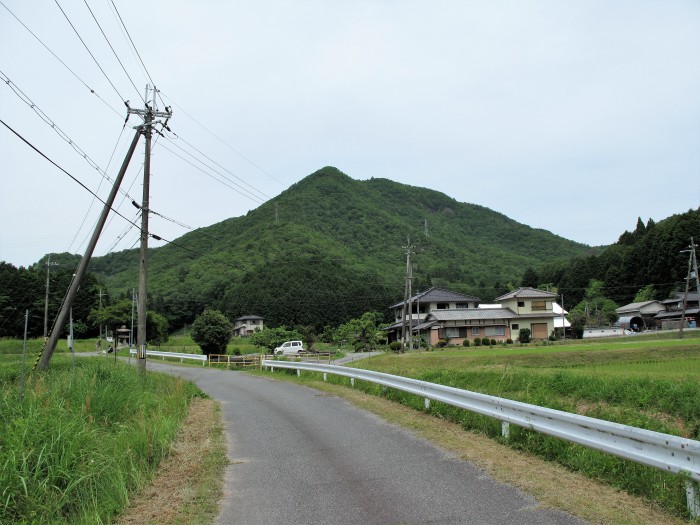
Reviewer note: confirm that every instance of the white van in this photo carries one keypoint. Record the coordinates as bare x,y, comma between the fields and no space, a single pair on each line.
290,347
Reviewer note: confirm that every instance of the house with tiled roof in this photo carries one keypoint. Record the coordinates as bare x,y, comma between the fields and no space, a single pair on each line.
670,318
455,326
455,317
432,300
534,310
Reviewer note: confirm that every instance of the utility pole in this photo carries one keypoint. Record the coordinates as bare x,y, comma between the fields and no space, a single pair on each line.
407,304
99,341
50,345
46,301
149,113
692,266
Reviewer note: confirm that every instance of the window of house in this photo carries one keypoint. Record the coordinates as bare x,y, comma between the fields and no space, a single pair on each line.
443,306
539,305
475,330
495,330
462,305
452,332
521,304
515,326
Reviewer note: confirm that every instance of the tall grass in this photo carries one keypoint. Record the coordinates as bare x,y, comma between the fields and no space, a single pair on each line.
82,440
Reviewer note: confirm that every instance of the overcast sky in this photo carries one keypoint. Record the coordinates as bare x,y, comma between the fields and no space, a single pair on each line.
572,116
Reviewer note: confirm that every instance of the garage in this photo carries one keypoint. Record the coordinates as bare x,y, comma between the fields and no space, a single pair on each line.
539,331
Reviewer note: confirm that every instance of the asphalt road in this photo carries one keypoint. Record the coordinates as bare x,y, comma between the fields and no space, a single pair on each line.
300,456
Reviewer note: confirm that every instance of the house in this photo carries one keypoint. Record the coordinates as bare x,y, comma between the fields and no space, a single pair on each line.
455,326
432,300
451,316
534,310
247,325
639,316
670,318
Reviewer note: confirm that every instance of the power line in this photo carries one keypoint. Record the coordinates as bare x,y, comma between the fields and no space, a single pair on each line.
61,61
112,48
212,160
223,141
62,134
90,52
134,47
87,213
254,198
60,168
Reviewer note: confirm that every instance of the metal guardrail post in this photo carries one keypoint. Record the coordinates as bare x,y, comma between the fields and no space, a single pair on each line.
692,496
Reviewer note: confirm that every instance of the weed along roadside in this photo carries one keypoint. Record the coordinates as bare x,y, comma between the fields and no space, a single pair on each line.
660,394
84,440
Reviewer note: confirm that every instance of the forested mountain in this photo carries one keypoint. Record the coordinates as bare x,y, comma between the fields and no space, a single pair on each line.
647,263
330,247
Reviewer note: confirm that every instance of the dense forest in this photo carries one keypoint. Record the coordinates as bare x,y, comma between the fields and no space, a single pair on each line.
330,248
650,262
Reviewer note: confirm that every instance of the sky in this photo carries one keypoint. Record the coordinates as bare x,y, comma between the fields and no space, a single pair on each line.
574,116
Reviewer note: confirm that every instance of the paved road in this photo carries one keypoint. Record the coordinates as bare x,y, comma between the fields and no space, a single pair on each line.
300,456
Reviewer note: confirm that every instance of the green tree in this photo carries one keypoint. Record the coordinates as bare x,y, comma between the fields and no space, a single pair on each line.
645,294
597,308
530,278
363,333
212,331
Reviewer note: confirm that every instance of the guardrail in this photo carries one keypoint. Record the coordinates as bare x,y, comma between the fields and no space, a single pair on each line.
662,451
157,353
306,356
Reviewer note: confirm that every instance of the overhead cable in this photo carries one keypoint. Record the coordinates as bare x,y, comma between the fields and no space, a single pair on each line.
113,51
222,141
90,53
62,62
60,168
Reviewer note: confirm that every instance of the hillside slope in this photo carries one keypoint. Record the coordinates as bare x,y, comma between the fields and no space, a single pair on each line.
331,247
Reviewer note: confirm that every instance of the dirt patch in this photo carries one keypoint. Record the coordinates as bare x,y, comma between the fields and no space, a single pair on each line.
182,478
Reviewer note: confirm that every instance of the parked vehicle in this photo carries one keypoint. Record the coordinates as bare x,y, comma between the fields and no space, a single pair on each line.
290,347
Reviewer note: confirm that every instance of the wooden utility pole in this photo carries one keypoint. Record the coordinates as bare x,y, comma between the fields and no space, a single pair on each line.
149,113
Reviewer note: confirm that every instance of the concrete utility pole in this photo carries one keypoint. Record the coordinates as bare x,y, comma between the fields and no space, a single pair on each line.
149,113
46,300
692,266
407,303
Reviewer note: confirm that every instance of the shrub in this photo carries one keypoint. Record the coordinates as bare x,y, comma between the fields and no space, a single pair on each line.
466,342
494,342
395,346
524,336
485,341
477,342
509,341
442,343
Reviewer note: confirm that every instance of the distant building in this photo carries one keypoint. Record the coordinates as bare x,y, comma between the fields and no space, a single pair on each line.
247,325
639,316
670,318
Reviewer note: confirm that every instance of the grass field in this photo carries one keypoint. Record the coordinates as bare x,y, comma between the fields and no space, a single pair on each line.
642,382
79,439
